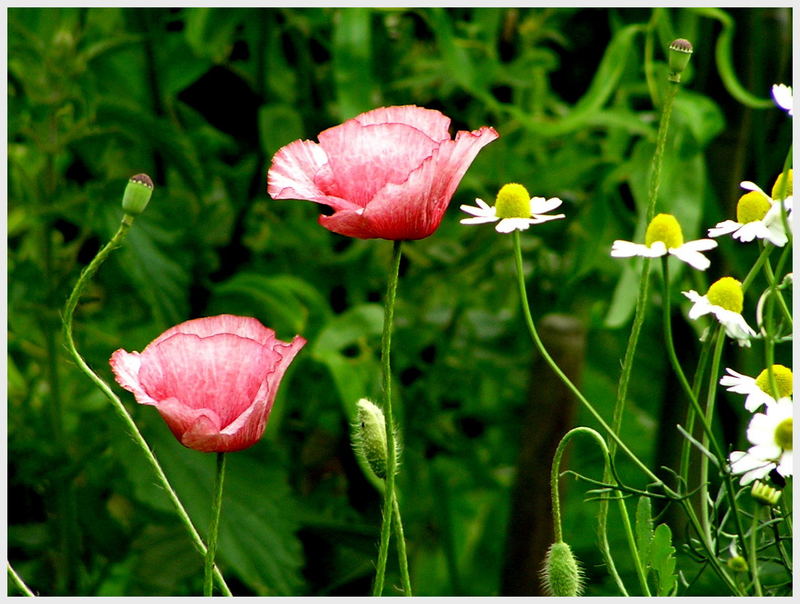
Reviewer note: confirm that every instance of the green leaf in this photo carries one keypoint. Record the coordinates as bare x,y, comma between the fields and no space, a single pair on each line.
356,90
644,530
209,31
662,559
257,532
278,124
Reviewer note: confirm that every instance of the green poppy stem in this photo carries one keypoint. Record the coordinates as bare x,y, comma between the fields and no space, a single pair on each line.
213,529
389,501
69,310
18,582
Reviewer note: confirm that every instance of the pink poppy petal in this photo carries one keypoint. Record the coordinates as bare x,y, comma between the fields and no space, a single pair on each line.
350,223
414,209
433,123
244,327
181,418
222,372
296,172
365,158
125,366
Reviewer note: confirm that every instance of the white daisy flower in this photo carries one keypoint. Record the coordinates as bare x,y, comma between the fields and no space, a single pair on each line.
782,95
758,215
514,209
664,236
758,389
770,434
725,301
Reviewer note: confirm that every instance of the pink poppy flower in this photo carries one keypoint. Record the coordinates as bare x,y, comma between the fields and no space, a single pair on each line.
387,173
213,380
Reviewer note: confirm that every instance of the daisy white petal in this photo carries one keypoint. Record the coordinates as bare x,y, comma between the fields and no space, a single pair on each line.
691,257
506,225
725,227
540,218
782,94
478,220
540,205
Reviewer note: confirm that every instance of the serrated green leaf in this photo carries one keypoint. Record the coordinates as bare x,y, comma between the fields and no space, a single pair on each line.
662,559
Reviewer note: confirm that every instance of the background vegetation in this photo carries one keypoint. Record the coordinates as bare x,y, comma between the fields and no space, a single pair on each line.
201,98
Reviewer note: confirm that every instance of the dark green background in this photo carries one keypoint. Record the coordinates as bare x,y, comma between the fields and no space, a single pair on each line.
200,99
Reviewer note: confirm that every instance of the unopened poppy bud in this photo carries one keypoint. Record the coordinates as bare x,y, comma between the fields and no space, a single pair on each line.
137,194
680,51
369,436
764,494
562,575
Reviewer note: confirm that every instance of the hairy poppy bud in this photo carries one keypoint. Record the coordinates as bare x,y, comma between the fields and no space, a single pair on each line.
137,194
562,575
369,436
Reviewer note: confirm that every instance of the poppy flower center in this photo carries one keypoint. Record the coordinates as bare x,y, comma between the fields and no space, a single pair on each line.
783,434
783,380
664,228
513,201
727,293
776,188
752,206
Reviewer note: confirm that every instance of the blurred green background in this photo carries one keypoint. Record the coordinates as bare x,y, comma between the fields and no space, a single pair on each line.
200,99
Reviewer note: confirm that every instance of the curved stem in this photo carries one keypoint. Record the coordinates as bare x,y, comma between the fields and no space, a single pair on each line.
557,370
401,547
213,529
391,462
117,405
554,494
18,582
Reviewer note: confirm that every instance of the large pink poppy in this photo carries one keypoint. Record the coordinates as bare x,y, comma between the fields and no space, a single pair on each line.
213,380
387,173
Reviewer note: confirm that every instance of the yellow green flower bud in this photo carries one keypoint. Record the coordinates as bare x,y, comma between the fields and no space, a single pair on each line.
137,194
776,188
738,564
513,201
562,575
783,380
752,206
664,228
763,493
727,293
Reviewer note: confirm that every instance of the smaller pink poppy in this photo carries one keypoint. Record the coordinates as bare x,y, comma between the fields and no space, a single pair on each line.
388,173
213,380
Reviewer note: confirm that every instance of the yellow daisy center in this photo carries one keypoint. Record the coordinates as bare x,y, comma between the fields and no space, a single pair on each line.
783,434
727,293
776,188
513,201
664,228
783,380
752,206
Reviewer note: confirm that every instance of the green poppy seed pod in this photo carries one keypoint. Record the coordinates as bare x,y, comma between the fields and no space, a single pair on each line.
369,436
137,194
680,51
562,575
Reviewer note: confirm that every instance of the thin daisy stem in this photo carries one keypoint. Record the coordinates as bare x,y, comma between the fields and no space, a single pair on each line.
787,164
69,310
213,529
557,370
762,257
774,291
391,462
705,354
754,549
18,582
